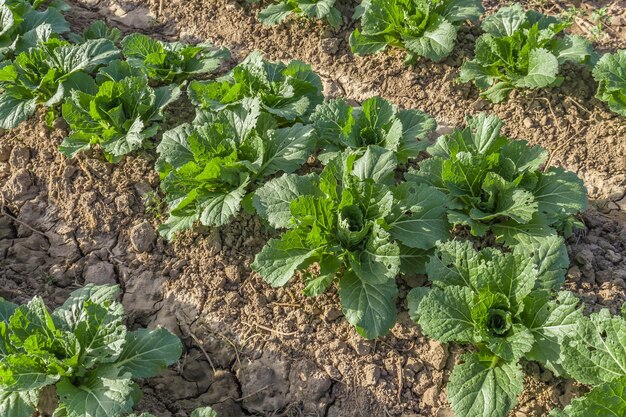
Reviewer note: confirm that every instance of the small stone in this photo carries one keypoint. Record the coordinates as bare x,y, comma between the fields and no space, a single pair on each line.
101,273
603,277
5,152
177,268
584,257
329,45
19,156
613,256
612,206
574,273
445,412
361,347
197,370
18,186
528,123
371,375
414,365
620,203
431,395
142,236
333,372
438,355
332,314
232,273
123,203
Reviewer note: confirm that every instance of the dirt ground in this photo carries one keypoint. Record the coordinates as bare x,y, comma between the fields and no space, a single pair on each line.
252,350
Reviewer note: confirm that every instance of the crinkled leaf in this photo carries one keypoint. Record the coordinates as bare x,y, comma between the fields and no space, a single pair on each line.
550,321
483,386
279,259
369,306
605,400
445,314
596,353
148,352
102,393
418,219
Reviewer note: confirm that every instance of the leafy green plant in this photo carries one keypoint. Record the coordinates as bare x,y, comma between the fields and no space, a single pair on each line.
120,117
352,228
425,28
502,304
207,170
97,30
171,62
610,73
607,399
599,17
313,9
46,74
22,26
595,354
377,122
521,49
289,92
498,186
81,354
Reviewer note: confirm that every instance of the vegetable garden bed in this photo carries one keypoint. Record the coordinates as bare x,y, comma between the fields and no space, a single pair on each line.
251,349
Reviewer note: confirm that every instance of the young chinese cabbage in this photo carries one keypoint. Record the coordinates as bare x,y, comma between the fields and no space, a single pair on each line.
504,305
289,92
499,186
425,28
377,122
120,117
97,30
521,49
610,73
313,9
82,353
207,169
23,26
46,74
171,62
358,229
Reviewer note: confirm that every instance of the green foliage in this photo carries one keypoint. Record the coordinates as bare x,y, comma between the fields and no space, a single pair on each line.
22,26
171,62
607,399
521,49
97,30
610,73
207,169
425,28
83,349
312,9
501,303
289,92
595,354
377,122
120,117
498,186
346,220
47,73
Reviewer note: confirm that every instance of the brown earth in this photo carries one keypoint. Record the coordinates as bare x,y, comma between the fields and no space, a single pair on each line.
252,349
